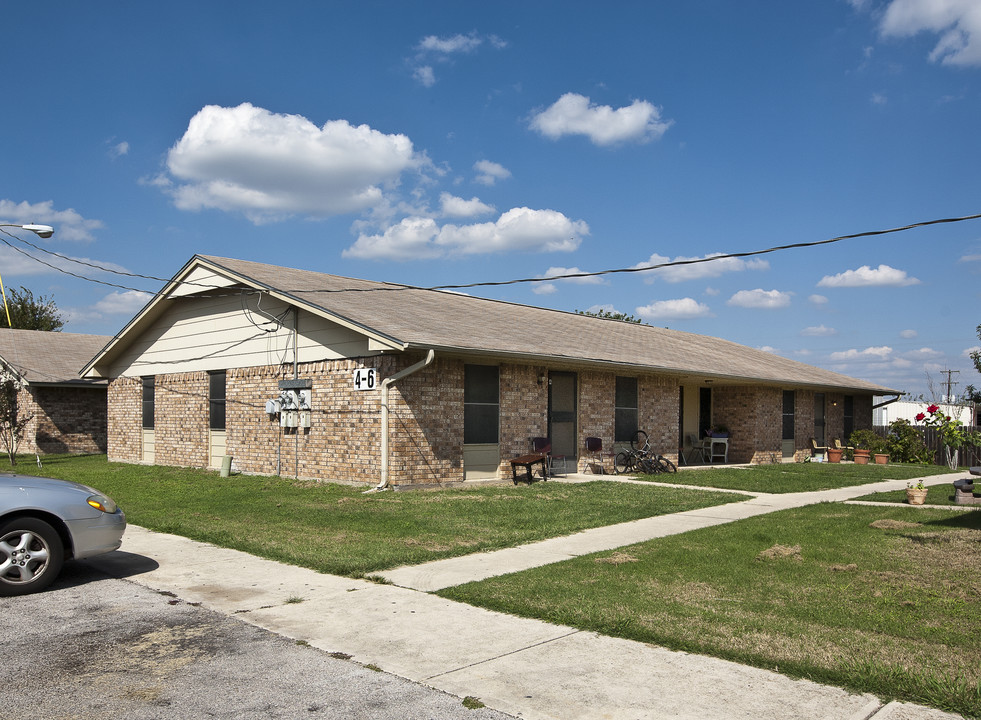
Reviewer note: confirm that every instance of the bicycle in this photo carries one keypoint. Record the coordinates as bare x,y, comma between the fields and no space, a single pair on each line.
641,458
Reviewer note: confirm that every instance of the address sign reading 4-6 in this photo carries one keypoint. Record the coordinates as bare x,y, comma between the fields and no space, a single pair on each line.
365,378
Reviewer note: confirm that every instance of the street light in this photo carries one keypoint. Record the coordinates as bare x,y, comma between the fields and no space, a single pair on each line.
42,231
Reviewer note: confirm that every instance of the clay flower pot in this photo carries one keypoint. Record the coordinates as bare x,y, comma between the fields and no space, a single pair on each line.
916,496
834,455
881,458
861,456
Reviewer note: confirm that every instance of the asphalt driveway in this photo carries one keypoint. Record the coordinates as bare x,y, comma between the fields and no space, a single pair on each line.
97,647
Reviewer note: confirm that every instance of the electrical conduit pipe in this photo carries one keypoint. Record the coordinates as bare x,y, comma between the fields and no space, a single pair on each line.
384,414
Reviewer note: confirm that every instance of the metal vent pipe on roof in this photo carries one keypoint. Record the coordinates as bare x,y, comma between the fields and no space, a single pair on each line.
430,356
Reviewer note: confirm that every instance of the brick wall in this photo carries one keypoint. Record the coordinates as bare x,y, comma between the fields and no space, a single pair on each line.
659,413
125,420
597,405
63,420
426,419
180,419
524,404
754,416
343,442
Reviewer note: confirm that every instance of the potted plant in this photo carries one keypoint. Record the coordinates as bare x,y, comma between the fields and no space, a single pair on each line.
916,493
834,454
719,430
866,442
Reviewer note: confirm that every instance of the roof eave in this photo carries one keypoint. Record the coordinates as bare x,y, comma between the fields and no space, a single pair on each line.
545,359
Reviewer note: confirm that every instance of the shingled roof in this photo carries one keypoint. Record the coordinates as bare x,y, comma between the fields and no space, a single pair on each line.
49,358
417,318
403,318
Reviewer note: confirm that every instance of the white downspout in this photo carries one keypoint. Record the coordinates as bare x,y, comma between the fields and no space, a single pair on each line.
384,414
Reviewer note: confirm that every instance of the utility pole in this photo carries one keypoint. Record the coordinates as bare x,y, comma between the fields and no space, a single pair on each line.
949,395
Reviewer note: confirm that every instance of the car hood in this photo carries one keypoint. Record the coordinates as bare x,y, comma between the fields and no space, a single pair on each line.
43,483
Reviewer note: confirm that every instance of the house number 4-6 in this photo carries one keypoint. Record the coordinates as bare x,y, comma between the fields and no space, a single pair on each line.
365,378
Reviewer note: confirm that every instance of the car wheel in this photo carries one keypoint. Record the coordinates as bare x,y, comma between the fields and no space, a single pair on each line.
31,556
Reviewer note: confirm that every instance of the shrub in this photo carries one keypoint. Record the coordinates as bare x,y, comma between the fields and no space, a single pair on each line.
905,444
868,440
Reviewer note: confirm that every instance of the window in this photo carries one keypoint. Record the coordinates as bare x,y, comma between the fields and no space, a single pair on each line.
481,404
625,409
148,392
788,414
216,399
849,417
819,436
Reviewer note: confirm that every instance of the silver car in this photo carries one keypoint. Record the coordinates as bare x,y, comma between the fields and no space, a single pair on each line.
44,522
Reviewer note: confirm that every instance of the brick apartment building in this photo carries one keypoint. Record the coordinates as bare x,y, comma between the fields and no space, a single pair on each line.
282,369
67,413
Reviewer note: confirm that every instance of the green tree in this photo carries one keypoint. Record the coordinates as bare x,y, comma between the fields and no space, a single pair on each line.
610,315
30,313
976,355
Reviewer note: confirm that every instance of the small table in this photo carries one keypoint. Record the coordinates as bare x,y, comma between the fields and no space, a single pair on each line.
528,462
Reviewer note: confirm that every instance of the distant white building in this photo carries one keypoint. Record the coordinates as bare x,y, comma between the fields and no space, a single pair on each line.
903,410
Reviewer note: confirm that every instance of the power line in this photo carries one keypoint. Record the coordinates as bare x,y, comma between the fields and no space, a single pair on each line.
489,283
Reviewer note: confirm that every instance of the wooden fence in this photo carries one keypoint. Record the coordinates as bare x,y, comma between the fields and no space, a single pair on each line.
970,455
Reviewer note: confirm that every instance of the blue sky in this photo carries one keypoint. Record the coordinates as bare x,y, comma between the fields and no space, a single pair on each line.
437,143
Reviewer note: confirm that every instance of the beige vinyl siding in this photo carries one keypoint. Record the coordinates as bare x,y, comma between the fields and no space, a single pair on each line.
202,334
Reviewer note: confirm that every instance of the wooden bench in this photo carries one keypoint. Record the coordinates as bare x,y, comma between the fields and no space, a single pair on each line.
528,462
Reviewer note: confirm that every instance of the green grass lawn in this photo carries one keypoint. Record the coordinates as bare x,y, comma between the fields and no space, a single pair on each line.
795,477
881,600
338,529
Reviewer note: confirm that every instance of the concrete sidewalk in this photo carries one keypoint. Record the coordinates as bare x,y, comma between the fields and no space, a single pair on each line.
527,668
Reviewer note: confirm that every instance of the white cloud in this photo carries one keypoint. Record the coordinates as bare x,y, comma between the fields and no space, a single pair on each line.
453,206
880,353
922,354
908,334
574,114
123,303
489,172
449,45
425,75
442,49
817,299
970,351
698,270
958,22
680,309
759,298
768,349
269,166
119,149
878,99
517,230
970,258
818,331
557,272
68,224
544,288
865,276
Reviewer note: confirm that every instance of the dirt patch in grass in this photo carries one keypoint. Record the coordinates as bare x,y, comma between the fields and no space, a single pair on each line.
778,552
886,524
617,558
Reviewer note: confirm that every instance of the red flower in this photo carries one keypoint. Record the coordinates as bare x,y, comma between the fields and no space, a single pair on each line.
919,417
933,408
